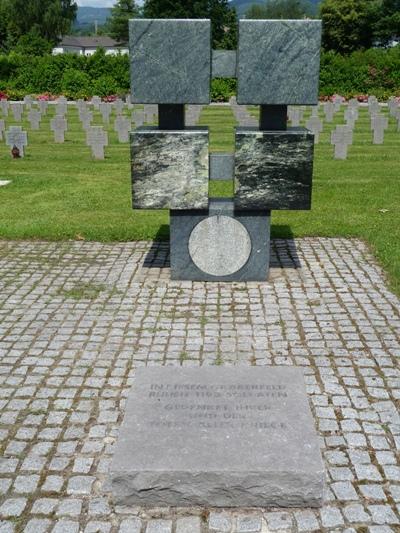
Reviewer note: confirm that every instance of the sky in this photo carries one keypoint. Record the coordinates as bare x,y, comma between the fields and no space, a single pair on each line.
98,3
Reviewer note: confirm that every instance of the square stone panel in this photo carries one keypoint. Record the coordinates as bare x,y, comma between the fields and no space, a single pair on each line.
170,168
225,437
273,169
170,61
278,62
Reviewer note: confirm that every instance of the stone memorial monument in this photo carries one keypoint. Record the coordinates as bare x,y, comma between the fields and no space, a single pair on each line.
216,436
277,64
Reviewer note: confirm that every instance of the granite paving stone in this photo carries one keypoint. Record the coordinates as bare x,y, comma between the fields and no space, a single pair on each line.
66,363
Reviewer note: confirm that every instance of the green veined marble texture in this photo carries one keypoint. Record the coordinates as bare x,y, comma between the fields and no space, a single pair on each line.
170,61
273,170
170,168
278,62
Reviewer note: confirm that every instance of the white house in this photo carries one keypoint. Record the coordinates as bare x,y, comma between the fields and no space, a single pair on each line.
87,46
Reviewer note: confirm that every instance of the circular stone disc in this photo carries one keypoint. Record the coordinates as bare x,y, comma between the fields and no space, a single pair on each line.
219,245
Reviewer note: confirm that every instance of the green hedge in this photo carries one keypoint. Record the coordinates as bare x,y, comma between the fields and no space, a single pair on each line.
375,71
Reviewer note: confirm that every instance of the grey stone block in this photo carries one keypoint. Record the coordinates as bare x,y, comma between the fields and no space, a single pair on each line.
273,170
222,437
224,63
170,61
170,169
222,166
220,244
278,61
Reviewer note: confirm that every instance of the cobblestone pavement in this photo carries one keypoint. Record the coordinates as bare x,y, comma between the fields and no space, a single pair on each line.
77,318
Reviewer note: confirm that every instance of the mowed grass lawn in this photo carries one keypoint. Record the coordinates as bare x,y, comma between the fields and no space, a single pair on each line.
58,192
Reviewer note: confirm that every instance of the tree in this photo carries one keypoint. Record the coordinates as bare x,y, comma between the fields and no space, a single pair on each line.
387,26
3,25
32,44
279,9
50,19
223,17
120,14
347,24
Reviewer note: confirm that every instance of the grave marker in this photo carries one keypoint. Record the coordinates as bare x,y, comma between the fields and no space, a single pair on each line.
119,106
59,126
4,107
17,110
295,115
341,138
34,118
351,115
138,118
97,139
314,124
105,110
329,111
43,106
16,137
122,126
379,123
2,129
86,118
96,101
61,108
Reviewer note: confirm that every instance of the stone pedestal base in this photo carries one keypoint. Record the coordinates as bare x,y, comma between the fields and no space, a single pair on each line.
219,437
220,244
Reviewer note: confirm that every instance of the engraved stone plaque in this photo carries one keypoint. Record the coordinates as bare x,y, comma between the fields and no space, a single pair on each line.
216,436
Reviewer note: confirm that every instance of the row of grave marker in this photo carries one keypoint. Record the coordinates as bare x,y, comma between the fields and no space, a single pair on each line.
341,137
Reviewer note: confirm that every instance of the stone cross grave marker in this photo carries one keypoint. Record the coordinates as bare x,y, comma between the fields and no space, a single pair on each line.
396,116
341,138
373,106
193,114
61,108
242,114
138,117
337,101
2,129
59,126
81,106
354,103
350,116
379,123
393,105
43,106
97,139
119,106
17,110
34,117
96,101
295,115
4,106
15,136
315,110
122,126
28,101
315,125
105,110
329,111
86,118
